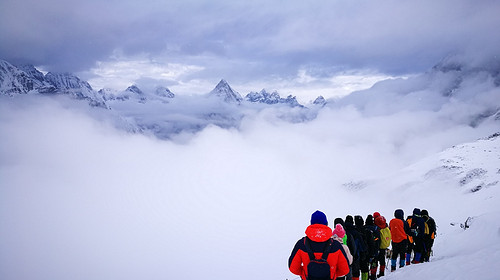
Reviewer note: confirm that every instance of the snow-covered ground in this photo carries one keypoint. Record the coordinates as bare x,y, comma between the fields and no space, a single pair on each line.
82,200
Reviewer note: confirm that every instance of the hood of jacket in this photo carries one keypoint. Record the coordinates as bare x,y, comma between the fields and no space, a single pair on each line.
381,222
369,220
318,232
399,214
358,221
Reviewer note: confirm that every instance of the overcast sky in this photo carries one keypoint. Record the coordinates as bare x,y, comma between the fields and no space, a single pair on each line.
303,48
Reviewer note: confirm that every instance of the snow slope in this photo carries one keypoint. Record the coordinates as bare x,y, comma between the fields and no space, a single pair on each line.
461,184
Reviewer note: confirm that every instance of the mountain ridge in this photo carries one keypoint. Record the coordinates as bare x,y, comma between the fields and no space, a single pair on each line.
26,79
448,87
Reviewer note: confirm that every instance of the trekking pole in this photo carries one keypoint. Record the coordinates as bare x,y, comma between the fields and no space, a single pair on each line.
388,257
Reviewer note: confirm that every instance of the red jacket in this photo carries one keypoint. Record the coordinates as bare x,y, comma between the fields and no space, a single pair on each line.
319,235
397,227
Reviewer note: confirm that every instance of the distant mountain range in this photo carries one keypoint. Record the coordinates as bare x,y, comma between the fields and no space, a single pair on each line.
460,92
26,79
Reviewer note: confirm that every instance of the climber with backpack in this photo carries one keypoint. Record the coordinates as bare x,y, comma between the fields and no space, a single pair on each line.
372,232
399,231
348,240
361,249
317,256
385,241
415,238
339,235
367,258
429,234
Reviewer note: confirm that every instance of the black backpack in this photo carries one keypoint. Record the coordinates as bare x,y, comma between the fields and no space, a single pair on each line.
318,269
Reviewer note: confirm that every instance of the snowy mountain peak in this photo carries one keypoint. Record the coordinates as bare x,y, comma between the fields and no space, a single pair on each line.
450,63
271,98
320,100
13,80
224,91
135,89
67,81
27,79
164,92
263,97
32,72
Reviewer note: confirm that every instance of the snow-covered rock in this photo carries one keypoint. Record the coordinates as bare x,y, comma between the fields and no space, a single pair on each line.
271,98
319,101
27,79
37,77
67,83
14,80
164,92
135,94
263,97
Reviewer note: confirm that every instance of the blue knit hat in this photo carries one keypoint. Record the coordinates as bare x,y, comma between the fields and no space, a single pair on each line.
319,217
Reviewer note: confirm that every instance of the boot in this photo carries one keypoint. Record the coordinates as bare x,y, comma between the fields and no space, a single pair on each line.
401,263
408,257
393,268
355,278
364,275
417,257
382,270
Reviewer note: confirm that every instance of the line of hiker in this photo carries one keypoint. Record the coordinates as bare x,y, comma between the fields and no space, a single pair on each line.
357,248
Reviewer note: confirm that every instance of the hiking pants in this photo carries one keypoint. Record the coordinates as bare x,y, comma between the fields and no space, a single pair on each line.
355,268
419,245
381,256
364,264
428,241
399,249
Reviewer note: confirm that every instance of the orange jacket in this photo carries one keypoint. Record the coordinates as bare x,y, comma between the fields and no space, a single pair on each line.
319,235
397,227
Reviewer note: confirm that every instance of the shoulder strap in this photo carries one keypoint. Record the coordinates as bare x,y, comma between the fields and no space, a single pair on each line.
308,249
326,251
311,253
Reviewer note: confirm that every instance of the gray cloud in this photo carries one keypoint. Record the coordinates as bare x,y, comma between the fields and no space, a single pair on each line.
244,41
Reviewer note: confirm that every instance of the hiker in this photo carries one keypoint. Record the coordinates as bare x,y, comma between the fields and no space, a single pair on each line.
364,263
348,240
338,234
399,230
429,235
305,259
372,231
361,249
385,241
415,238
